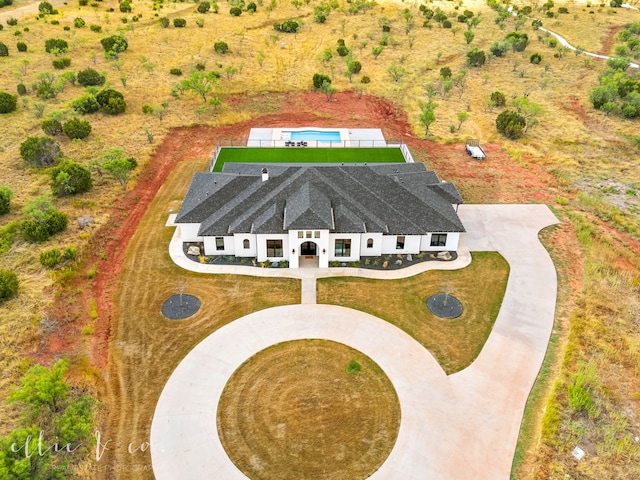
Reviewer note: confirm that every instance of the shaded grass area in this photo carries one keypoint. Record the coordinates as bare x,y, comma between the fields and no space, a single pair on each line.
308,155
454,343
308,409
146,347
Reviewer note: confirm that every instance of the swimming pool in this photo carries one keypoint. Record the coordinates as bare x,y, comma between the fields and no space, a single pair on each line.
320,136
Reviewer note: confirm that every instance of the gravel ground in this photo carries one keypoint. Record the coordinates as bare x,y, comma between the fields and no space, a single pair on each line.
181,306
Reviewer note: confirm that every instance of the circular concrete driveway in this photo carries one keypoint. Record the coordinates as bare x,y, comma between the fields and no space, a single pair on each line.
461,426
184,437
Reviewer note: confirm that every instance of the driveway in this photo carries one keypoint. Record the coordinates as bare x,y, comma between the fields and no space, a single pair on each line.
462,426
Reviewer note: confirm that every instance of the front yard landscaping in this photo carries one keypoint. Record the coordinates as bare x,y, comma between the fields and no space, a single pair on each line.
454,343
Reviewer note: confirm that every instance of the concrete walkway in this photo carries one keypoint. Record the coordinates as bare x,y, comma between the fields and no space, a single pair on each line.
463,426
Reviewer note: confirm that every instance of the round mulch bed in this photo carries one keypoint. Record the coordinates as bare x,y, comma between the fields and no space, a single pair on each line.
178,307
308,409
444,305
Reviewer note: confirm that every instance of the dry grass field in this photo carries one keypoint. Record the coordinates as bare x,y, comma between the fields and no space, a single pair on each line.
578,159
308,409
454,343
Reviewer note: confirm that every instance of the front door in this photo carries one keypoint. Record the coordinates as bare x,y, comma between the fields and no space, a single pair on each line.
308,248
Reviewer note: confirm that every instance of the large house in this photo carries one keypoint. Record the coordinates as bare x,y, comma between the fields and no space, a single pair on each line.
326,212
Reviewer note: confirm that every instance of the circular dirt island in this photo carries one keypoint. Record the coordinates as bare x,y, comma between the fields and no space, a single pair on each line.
179,307
444,305
308,409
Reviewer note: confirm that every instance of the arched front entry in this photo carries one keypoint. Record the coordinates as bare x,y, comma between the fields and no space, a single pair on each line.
308,248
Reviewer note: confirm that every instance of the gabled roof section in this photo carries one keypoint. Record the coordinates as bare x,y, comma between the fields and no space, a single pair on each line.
308,207
402,199
347,221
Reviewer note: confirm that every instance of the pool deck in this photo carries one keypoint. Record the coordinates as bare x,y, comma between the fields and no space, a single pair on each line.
357,137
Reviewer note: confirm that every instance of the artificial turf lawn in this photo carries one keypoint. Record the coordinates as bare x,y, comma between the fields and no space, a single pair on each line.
307,155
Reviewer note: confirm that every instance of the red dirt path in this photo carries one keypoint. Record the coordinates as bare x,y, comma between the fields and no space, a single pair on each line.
496,180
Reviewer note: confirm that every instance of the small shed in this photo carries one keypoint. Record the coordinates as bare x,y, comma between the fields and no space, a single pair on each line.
474,149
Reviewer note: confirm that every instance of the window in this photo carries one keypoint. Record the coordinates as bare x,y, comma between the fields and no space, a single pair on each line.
438,239
245,243
300,234
274,248
219,243
308,234
370,243
399,242
316,234
343,247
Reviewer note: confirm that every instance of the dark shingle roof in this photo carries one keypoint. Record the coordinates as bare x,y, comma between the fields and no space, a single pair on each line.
389,198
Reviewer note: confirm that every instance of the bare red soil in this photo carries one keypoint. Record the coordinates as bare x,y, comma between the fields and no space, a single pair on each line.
496,180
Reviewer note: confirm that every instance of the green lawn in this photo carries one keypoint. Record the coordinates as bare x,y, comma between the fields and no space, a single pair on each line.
308,155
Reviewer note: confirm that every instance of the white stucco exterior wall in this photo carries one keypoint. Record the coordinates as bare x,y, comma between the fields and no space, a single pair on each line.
210,246
355,247
261,241
376,249
411,244
452,243
238,241
189,232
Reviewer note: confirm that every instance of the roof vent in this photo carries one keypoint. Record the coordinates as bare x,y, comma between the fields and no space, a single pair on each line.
265,174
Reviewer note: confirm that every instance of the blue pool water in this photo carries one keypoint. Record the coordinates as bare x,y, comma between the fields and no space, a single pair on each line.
315,135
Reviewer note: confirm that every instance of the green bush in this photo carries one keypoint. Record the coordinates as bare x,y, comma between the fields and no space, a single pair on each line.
39,151
365,79
342,50
511,124
4,50
179,22
90,77
78,22
517,40
95,28
5,199
164,22
476,58
51,258
125,7
252,7
204,7
535,58
61,63
499,49
76,128
221,47
111,101
21,46
44,220
175,71
22,89
12,22
85,105
235,11
8,285
498,99
45,7
51,127
70,253
56,45
70,178
288,26
8,102
114,43
34,232
319,79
